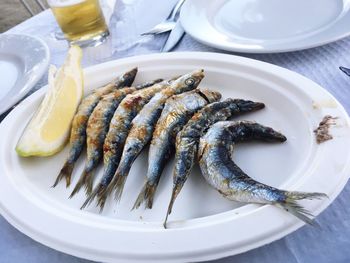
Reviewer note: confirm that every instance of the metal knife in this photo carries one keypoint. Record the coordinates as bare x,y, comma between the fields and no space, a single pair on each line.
174,37
345,70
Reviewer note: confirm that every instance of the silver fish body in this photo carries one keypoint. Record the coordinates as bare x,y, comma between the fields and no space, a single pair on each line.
177,111
78,131
97,128
221,172
119,128
187,139
143,124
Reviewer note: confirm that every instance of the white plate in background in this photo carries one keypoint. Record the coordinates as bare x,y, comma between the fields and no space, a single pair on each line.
23,61
266,26
203,224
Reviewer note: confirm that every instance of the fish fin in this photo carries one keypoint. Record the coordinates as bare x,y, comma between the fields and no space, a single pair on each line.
103,192
119,187
291,206
302,195
100,192
176,190
89,182
146,195
66,172
102,195
87,202
92,196
85,178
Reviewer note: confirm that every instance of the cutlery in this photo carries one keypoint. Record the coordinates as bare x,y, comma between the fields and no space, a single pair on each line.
174,37
169,23
345,70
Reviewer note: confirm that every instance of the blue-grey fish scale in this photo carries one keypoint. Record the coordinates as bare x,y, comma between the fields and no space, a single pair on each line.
98,124
177,111
80,120
121,124
100,118
188,138
223,174
143,124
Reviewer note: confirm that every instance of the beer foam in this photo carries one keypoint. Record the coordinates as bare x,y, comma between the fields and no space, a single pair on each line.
64,3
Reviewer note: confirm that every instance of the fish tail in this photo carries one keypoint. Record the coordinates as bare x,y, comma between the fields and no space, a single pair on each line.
119,187
146,195
88,201
175,192
102,195
89,182
103,191
84,180
291,206
91,197
66,172
302,195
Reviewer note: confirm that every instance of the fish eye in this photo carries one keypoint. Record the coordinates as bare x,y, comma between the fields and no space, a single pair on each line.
189,81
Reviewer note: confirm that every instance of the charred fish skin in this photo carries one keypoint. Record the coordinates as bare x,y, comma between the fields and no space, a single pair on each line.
78,131
119,128
187,139
177,111
223,174
143,124
97,128
121,122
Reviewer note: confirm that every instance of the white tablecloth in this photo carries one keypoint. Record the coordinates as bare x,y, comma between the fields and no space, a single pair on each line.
328,243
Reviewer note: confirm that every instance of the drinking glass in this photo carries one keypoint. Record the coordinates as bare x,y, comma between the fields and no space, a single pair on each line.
82,21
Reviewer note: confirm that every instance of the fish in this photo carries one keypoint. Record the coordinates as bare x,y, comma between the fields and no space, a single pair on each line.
119,128
143,124
97,128
78,131
222,173
187,139
177,111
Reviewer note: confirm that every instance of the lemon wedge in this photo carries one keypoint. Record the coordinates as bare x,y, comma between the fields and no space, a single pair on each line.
48,130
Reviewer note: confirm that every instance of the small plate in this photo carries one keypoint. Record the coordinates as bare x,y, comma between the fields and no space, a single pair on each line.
23,61
266,26
47,215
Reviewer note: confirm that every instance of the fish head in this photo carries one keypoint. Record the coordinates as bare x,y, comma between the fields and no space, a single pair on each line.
248,105
171,80
128,77
189,81
264,133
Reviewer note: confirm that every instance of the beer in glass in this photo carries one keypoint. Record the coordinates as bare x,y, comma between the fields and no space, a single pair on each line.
81,21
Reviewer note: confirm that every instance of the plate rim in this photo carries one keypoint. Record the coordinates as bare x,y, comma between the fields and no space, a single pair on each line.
222,46
178,55
43,65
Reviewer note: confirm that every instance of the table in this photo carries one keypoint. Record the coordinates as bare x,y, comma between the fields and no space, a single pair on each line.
330,242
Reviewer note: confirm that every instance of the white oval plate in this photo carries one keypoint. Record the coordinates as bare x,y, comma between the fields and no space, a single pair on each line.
23,61
203,224
266,26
